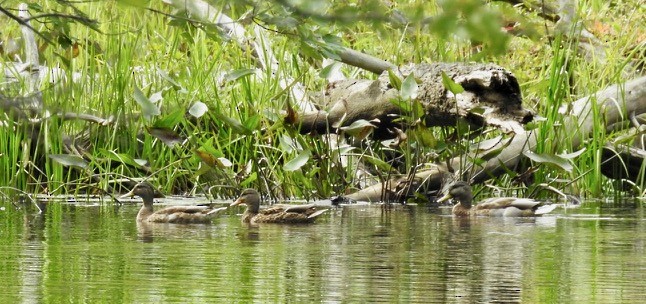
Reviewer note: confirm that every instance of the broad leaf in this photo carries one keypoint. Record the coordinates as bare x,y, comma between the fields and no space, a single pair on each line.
451,85
148,109
360,128
395,81
168,136
409,88
237,74
69,160
171,120
235,125
551,159
300,160
198,109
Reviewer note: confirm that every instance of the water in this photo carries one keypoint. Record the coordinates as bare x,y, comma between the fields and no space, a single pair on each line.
97,253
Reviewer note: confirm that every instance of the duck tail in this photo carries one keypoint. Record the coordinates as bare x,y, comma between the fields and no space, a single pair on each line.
317,213
544,209
216,211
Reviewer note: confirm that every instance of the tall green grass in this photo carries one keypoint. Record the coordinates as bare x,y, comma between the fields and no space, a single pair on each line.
244,122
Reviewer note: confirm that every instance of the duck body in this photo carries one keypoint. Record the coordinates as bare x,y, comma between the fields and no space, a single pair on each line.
179,214
281,214
173,214
499,206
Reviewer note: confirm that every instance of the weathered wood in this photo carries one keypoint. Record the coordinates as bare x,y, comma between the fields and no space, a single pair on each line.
614,104
491,97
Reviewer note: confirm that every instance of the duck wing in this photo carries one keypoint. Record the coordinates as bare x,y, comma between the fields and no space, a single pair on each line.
183,209
185,215
282,218
505,202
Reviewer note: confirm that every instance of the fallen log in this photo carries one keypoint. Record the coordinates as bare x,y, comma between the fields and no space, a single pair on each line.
614,104
491,96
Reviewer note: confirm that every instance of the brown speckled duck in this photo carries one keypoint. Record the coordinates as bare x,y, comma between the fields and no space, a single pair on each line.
296,214
497,206
173,214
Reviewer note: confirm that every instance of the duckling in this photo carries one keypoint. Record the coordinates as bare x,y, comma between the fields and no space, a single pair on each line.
276,214
173,214
498,206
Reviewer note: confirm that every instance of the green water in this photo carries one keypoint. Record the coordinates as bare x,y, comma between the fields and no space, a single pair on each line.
97,253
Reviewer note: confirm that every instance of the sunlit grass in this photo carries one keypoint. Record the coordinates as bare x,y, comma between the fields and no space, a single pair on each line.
135,44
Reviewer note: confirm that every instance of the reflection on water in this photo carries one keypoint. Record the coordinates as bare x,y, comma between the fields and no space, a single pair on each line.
357,254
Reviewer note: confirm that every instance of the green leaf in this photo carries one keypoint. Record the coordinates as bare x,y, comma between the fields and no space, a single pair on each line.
359,128
235,125
409,88
166,135
148,108
329,70
171,120
166,77
451,85
123,158
402,104
551,159
395,81
250,179
572,155
69,160
425,136
198,109
237,74
300,160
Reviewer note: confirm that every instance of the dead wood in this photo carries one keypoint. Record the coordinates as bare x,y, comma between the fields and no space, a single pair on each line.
491,97
614,104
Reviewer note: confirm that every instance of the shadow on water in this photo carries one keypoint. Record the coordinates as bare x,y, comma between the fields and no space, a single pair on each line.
361,253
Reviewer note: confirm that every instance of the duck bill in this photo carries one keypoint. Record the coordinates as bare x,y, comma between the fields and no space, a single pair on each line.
129,194
444,198
239,201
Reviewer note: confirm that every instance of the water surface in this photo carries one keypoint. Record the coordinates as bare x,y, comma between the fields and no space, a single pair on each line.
97,253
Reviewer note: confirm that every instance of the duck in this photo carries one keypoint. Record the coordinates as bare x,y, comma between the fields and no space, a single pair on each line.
173,214
281,214
460,192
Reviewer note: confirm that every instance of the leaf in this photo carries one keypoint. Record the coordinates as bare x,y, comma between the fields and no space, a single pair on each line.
285,143
409,88
166,77
212,160
250,179
555,160
252,122
300,160
168,136
395,81
330,70
124,158
171,120
425,136
69,160
198,109
573,154
148,109
451,85
235,125
359,128
237,74
402,104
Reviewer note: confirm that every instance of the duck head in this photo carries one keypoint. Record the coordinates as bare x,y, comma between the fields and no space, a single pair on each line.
145,191
249,197
460,192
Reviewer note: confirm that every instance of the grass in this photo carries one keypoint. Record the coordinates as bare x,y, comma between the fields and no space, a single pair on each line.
243,126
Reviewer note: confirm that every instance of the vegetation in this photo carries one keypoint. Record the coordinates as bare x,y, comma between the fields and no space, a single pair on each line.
186,107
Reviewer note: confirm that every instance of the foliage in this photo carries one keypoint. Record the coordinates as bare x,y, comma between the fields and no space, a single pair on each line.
191,110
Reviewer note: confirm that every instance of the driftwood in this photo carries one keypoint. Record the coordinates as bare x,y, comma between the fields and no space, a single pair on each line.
615,104
491,97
